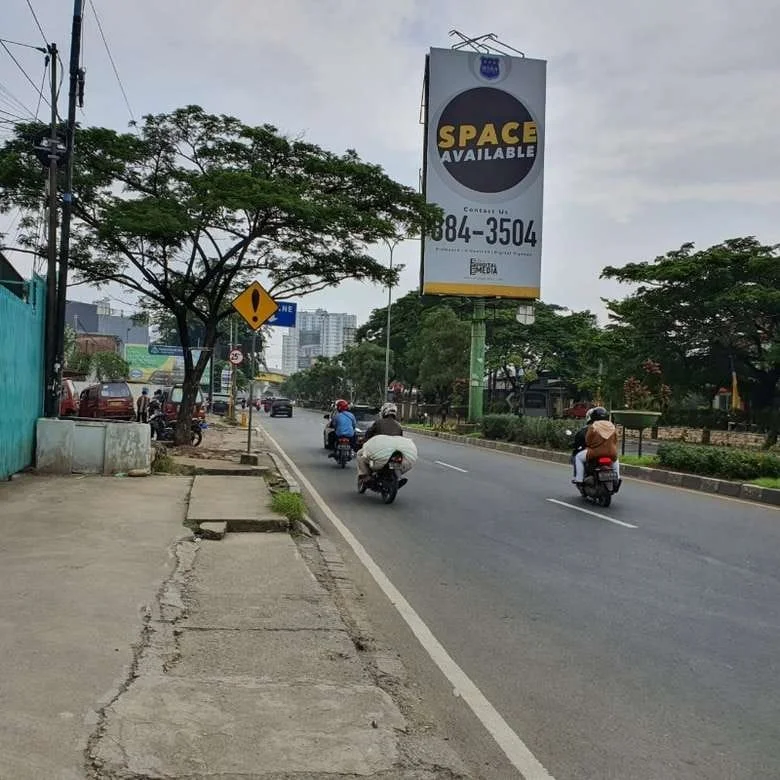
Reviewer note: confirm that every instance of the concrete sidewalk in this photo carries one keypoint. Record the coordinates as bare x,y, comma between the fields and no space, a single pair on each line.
81,561
133,650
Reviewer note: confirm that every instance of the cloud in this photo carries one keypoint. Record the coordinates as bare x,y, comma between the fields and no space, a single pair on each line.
660,116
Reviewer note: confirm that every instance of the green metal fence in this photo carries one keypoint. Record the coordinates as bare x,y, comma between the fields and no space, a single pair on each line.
21,373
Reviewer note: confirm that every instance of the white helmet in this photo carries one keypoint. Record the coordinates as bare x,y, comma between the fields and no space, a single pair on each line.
389,410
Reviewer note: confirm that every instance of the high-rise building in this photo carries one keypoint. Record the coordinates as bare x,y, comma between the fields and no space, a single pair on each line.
317,334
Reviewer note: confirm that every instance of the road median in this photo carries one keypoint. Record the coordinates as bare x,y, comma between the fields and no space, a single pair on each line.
712,485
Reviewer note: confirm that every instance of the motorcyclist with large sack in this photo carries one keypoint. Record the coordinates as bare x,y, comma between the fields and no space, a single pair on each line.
598,439
386,425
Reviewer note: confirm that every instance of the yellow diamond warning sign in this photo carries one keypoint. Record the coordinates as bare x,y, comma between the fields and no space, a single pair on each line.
255,305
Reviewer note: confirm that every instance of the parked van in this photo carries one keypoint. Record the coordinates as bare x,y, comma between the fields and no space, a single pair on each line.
171,401
107,400
69,399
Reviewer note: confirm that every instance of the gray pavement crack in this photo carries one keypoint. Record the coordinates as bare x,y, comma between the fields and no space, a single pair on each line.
183,552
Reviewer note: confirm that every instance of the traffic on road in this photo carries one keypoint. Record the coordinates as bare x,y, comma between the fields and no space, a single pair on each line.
638,640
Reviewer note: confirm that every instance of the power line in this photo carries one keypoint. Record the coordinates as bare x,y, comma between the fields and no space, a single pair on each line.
40,91
25,45
11,99
38,24
24,72
111,58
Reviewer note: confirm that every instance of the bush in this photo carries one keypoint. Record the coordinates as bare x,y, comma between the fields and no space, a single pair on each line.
533,431
714,419
719,461
497,426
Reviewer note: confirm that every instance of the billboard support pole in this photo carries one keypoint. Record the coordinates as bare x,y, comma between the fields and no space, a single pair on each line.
477,368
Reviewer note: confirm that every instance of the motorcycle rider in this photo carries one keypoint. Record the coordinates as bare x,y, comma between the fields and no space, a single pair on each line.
386,425
597,439
343,424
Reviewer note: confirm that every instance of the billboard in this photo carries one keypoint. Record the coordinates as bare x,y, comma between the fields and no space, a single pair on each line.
484,164
155,366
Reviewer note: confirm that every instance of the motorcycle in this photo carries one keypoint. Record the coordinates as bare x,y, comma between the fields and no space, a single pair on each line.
343,452
385,481
162,430
601,480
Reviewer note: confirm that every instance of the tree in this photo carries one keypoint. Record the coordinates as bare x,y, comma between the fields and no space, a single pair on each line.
320,384
701,310
560,342
441,349
187,210
406,315
109,367
364,367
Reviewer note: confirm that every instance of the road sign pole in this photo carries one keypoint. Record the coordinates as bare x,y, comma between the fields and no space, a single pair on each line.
251,390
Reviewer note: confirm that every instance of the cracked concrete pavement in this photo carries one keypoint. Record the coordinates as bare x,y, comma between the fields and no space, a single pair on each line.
132,650
81,561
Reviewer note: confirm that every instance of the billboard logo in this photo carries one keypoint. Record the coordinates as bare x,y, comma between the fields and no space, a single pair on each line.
480,268
489,67
487,140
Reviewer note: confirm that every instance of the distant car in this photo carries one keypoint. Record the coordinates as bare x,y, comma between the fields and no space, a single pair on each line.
69,399
171,401
108,401
364,415
220,403
578,411
281,407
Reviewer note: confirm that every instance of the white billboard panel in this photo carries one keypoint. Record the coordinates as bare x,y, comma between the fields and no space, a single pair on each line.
484,163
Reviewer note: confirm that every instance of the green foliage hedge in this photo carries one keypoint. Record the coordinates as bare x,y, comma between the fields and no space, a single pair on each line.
722,462
533,431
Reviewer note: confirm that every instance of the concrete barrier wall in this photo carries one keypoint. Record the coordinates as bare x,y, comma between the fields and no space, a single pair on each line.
92,447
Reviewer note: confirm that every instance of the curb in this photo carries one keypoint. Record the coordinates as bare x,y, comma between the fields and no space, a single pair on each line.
711,485
292,485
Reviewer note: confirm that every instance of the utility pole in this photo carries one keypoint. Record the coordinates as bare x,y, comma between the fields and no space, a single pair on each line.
51,392
75,90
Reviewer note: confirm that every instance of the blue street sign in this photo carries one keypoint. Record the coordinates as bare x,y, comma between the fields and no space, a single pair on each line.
165,349
285,315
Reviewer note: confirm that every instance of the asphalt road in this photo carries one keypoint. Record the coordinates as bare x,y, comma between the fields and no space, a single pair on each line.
645,650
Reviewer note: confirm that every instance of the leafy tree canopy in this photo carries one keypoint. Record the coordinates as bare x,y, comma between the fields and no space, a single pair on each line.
192,206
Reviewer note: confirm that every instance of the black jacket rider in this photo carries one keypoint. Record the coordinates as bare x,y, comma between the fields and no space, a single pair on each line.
579,439
385,426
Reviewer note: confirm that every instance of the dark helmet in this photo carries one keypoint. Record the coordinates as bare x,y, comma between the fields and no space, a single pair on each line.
596,413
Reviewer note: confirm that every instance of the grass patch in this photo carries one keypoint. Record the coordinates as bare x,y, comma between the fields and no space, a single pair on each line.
767,482
291,505
636,460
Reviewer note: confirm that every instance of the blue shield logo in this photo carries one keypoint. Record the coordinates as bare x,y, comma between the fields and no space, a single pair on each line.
489,67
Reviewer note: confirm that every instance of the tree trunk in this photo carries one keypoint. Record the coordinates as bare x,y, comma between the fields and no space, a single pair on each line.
193,372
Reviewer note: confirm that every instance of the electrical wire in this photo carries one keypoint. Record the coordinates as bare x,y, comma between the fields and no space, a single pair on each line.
12,101
24,72
40,91
37,23
111,58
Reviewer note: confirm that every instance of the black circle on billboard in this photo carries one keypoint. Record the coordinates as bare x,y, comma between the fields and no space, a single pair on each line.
484,170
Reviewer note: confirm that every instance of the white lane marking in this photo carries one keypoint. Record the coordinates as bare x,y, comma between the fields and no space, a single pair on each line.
448,466
510,743
594,514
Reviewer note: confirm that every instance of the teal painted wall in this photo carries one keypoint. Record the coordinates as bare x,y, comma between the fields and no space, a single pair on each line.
21,375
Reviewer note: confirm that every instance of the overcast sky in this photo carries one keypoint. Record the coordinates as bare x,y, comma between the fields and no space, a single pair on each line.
661,117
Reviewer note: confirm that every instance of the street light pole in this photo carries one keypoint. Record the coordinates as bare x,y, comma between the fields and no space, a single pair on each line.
391,245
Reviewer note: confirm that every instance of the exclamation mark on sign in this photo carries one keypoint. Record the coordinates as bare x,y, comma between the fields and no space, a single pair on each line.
255,305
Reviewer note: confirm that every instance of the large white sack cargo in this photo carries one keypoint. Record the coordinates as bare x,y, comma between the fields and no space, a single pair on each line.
378,450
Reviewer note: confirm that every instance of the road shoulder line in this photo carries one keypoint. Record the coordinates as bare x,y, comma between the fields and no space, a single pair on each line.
516,751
